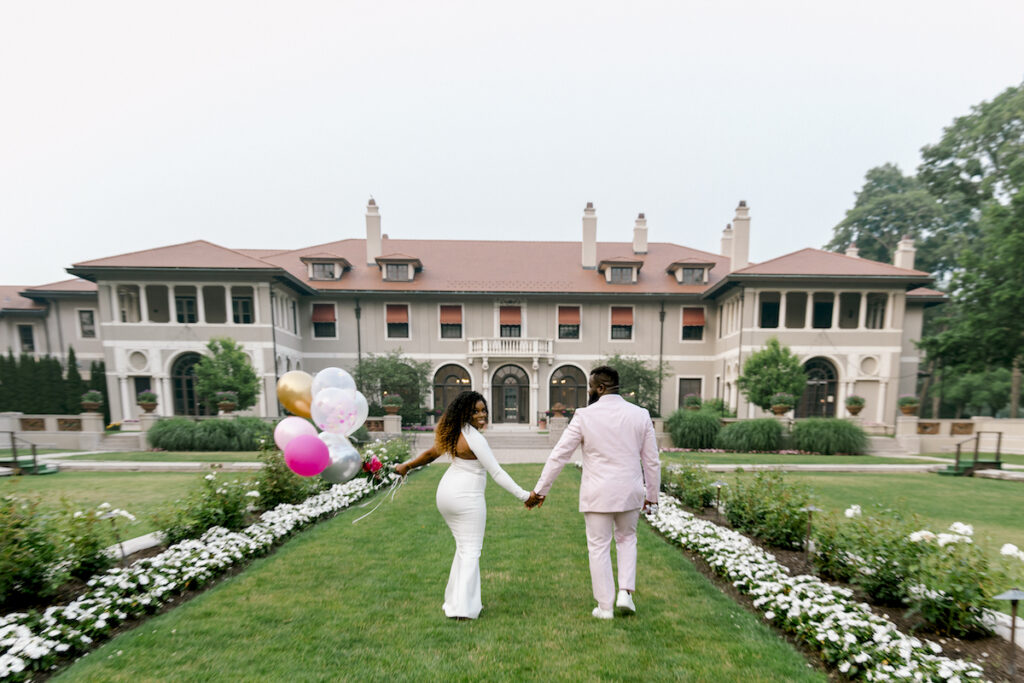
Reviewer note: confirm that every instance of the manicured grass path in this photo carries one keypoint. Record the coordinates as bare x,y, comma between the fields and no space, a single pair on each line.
165,456
363,602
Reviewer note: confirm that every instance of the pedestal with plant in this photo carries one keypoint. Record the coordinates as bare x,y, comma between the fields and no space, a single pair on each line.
782,402
908,404
146,400
854,404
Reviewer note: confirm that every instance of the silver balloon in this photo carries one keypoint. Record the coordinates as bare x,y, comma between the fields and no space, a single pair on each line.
362,411
345,459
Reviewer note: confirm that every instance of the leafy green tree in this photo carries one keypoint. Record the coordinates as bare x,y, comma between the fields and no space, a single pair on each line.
639,380
74,385
227,368
976,393
98,381
394,373
890,206
774,369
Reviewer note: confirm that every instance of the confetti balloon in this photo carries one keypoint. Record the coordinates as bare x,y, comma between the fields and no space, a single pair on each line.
334,410
332,377
362,411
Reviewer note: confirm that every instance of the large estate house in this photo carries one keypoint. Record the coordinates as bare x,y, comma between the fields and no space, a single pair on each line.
521,322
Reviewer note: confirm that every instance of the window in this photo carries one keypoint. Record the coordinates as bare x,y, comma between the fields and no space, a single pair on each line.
821,314
875,315
397,316
451,322
622,322
769,309
693,276
241,309
87,324
688,386
849,310
510,319
185,307
27,338
396,271
568,322
324,321
621,275
693,324
323,271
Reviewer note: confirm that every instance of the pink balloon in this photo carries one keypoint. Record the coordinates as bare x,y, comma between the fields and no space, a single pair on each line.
306,455
291,427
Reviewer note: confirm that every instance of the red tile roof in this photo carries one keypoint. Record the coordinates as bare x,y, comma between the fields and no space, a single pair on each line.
74,285
818,262
196,254
12,300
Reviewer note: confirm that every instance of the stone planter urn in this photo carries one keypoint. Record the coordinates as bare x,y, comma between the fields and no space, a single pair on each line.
226,406
148,406
392,410
854,410
90,406
780,409
906,410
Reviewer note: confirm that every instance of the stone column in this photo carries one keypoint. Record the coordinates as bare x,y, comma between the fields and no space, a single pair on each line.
782,309
809,312
393,424
229,317
906,434
143,304
835,311
125,402
200,305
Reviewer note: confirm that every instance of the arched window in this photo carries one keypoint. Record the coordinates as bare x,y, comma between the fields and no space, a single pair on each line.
568,387
819,397
510,395
449,382
183,383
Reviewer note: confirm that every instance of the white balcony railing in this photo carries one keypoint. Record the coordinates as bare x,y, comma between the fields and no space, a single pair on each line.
506,347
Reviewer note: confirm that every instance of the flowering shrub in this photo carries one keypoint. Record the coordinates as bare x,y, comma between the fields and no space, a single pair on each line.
689,482
92,396
854,400
84,536
860,644
30,641
277,484
769,507
908,400
214,503
28,550
146,397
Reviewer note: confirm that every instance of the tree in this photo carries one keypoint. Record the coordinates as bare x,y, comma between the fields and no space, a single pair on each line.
227,368
393,373
98,381
988,328
74,385
977,393
639,381
774,369
890,206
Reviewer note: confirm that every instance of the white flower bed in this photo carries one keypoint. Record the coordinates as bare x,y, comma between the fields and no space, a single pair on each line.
31,642
851,638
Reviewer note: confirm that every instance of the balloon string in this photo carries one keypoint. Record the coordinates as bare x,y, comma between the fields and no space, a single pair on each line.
395,485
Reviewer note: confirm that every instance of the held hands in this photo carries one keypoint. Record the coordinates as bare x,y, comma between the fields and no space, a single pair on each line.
402,469
534,501
650,507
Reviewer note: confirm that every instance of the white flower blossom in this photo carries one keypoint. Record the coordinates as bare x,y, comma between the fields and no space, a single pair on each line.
961,529
852,511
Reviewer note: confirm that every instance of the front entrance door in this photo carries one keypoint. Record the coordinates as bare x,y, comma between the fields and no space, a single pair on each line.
510,408
510,395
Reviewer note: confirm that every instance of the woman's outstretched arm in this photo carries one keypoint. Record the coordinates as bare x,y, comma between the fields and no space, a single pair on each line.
482,450
425,458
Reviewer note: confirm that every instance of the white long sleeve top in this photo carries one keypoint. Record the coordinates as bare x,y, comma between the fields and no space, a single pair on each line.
482,450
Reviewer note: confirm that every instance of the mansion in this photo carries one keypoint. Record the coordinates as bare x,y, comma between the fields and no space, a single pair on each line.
520,322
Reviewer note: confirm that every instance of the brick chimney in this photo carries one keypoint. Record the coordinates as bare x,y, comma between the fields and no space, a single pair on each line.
372,233
741,237
904,257
590,237
852,250
640,235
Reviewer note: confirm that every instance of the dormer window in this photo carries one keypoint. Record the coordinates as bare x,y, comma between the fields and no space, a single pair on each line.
325,266
690,271
620,270
399,267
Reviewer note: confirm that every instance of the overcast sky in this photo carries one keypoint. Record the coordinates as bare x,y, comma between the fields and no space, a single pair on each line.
131,125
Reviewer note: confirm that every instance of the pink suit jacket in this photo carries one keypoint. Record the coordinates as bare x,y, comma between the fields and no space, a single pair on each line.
620,456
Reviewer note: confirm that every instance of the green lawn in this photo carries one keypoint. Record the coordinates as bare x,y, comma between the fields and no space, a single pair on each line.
992,506
25,451
140,493
363,602
775,459
185,456
1011,458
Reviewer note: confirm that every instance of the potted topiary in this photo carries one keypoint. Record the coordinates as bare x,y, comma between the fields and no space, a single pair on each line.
691,402
392,403
781,403
854,403
908,404
226,400
146,400
91,401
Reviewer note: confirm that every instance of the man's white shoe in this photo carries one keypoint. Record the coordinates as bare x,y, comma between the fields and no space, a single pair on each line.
603,613
625,602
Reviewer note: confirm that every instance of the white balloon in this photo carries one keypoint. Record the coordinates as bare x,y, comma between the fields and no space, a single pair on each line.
334,410
332,377
345,459
362,411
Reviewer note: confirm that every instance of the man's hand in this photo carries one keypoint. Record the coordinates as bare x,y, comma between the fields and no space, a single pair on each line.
534,501
650,507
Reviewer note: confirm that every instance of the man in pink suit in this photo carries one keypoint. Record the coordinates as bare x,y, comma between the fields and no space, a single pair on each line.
621,476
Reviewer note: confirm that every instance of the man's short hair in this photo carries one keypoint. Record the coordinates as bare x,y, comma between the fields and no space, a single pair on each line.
606,376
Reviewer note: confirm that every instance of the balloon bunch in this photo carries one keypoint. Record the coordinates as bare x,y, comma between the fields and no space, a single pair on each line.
335,406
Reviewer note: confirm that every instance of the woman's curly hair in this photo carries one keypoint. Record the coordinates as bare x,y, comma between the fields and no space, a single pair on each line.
458,413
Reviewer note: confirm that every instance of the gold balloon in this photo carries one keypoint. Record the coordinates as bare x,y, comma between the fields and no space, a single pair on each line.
293,391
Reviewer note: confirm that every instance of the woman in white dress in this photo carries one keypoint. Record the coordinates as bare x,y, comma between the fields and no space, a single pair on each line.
460,495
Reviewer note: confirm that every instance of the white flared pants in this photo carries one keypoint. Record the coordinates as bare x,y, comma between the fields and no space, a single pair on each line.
460,500
601,526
